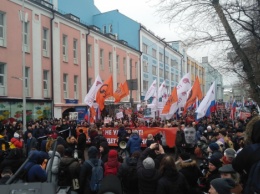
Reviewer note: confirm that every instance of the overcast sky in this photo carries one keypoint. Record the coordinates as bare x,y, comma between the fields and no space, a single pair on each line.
144,12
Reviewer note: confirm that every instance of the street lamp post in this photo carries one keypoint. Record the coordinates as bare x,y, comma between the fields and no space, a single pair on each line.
23,68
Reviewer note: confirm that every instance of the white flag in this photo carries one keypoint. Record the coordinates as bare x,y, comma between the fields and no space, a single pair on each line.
162,91
91,95
150,91
182,88
206,102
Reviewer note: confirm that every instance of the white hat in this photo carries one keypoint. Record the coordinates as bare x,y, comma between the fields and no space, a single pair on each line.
209,127
16,135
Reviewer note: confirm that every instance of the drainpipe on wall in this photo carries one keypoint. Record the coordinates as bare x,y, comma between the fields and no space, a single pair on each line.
87,56
52,87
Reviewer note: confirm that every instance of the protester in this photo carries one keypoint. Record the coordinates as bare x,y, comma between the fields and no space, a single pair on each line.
221,186
134,143
171,180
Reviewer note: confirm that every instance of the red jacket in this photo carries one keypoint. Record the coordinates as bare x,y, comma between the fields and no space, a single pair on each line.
17,143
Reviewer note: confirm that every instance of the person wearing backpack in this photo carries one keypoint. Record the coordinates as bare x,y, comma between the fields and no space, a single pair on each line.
247,161
112,164
91,172
127,173
69,169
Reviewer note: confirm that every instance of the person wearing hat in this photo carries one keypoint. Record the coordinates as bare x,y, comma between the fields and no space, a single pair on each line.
112,165
213,173
134,142
227,171
251,152
229,155
214,151
17,141
221,186
190,170
5,175
147,174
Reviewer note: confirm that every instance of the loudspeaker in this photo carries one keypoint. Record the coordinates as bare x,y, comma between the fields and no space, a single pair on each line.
122,144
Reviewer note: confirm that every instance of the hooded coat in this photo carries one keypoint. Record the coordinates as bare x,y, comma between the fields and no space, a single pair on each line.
134,143
112,165
250,153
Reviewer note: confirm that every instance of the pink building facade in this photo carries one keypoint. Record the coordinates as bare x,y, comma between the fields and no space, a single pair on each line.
62,59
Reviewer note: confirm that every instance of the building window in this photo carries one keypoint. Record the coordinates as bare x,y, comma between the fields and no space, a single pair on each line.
27,81
2,79
46,84
89,83
136,69
2,29
154,53
172,76
145,66
117,63
166,74
45,41
160,72
145,85
89,55
65,85
75,51
177,78
188,68
166,60
161,57
125,66
110,62
154,70
65,48
145,48
110,28
101,59
26,37
104,29
76,95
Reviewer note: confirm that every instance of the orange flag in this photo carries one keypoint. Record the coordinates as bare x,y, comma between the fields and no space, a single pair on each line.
105,91
171,99
121,92
193,95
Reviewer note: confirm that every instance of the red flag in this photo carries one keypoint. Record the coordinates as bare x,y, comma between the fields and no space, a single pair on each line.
105,91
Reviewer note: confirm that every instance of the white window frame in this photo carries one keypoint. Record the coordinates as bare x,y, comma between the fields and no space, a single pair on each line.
110,28
3,84
145,48
117,63
172,76
65,47
76,90
125,66
3,29
27,81
65,86
101,59
75,51
89,55
154,53
45,42
46,84
104,29
154,70
160,72
166,60
145,85
110,62
166,74
160,57
145,66
26,37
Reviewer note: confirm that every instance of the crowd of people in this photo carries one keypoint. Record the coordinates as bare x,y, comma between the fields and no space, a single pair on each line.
214,155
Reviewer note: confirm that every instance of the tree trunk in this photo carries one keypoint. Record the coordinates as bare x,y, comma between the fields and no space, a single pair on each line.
247,67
